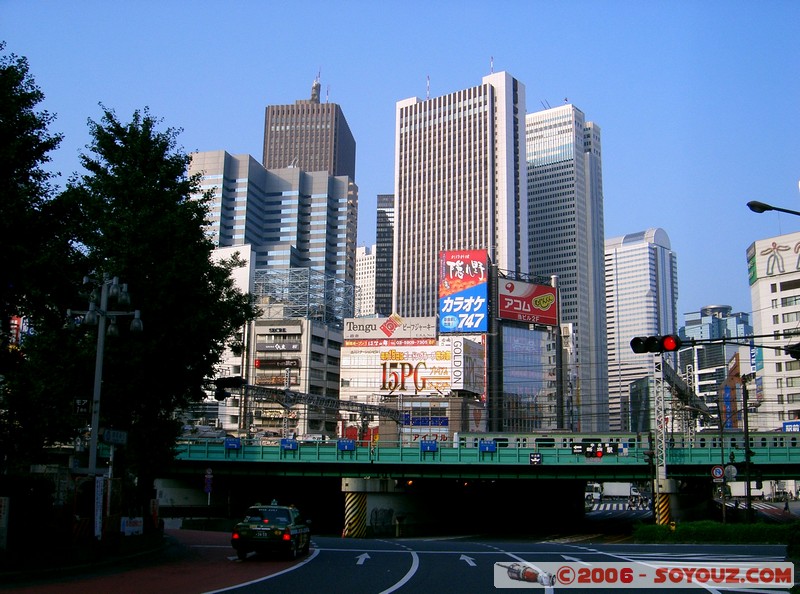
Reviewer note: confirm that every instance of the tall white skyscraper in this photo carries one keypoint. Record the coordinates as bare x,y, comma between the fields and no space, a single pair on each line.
565,210
459,184
365,281
641,280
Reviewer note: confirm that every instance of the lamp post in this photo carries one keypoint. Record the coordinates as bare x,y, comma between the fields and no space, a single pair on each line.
760,207
106,322
748,488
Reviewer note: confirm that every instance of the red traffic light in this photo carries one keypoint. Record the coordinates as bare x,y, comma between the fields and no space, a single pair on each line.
656,344
670,343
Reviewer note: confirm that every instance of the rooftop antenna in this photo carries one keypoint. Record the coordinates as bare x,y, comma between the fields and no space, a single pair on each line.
491,64
428,90
327,92
545,104
566,99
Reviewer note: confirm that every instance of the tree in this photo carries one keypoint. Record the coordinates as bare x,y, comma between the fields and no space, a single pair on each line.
140,220
145,227
24,187
37,261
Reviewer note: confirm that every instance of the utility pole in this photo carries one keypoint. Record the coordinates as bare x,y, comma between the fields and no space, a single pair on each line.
748,488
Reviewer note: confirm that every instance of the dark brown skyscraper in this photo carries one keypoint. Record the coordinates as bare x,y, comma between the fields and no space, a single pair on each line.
310,135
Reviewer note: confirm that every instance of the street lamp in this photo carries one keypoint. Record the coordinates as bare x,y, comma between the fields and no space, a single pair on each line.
106,322
760,207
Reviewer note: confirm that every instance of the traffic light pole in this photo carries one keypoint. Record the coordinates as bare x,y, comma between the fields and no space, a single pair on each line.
661,499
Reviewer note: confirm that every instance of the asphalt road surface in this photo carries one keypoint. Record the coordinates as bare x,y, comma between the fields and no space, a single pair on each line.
197,562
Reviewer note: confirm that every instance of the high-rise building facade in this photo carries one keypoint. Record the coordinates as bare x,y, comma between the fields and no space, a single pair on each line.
384,254
774,270
459,185
705,365
291,218
309,135
565,211
365,281
641,284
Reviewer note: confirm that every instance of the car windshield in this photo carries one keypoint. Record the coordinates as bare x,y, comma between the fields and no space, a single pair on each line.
268,515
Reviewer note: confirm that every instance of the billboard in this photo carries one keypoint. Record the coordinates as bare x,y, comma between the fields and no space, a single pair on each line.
400,369
463,291
387,329
526,302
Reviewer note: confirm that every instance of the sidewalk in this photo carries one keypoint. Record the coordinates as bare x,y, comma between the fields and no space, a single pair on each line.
44,563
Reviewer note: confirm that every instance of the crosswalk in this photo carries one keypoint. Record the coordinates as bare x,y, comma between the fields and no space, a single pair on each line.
763,506
615,506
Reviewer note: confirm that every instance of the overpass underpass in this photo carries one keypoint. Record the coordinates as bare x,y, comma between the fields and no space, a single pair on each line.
354,487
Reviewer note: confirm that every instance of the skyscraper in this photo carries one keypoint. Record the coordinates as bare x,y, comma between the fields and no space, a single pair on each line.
292,218
705,365
565,210
641,283
309,135
384,254
365,281
459,185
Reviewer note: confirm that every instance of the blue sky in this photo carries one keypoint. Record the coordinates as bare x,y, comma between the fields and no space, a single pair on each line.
697,101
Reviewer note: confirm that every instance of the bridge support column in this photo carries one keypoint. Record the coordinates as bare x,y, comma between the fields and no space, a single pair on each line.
661,503
355,504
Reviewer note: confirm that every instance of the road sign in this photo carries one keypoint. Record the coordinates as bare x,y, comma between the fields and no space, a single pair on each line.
209,478
115,436
730,473
717,471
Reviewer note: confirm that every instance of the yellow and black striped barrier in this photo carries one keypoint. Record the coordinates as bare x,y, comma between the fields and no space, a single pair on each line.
355,515
662,508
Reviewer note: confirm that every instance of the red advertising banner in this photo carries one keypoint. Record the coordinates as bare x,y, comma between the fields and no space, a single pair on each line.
526,302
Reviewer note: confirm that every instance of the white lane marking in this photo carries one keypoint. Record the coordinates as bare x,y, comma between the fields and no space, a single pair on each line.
407,576
470,561
265,578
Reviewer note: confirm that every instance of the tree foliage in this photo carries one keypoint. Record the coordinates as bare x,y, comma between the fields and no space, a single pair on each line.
29,223
37,264
142,222
133,214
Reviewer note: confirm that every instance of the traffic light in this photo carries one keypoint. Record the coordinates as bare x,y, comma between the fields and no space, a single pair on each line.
657,344
592,450
793,350
598,450
231,381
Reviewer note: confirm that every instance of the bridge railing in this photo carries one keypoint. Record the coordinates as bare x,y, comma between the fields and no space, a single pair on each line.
388,452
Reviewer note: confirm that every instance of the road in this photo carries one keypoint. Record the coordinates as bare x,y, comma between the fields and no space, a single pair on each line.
203,562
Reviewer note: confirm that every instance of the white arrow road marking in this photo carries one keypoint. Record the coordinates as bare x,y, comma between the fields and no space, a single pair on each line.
362,558
470,561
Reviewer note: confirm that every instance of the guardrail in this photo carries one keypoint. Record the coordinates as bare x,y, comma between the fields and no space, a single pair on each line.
385,452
